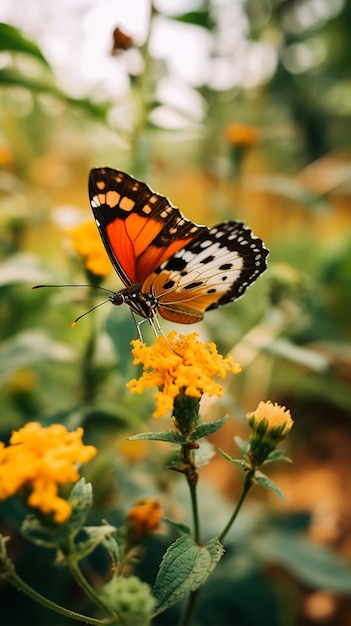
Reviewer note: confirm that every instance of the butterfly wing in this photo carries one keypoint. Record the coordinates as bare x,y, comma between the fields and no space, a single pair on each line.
139,228
208,272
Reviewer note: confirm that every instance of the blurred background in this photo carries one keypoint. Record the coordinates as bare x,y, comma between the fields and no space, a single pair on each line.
233,109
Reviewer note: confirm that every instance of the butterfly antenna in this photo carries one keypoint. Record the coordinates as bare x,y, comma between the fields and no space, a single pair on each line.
90,310
70,285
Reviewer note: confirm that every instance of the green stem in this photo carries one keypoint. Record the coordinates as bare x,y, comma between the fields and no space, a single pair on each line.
190,607
90,592
246,487
191,476
195,510
13,578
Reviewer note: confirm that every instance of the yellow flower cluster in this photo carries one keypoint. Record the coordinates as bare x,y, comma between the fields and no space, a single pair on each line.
41,459
179,365
86,241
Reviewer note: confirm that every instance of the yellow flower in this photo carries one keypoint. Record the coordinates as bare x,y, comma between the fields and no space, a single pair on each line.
188,368
270,423
143,519
41,459
271,420
242,135
86,241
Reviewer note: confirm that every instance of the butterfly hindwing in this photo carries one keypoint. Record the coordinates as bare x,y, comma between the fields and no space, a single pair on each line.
211,271
139,228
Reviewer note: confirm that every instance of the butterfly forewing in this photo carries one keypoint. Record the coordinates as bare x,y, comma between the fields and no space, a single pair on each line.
139,228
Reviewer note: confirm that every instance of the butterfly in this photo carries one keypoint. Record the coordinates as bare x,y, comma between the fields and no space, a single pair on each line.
169,265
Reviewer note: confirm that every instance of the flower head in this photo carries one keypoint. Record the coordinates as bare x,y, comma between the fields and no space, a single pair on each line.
179,366
131,599
41,459
270,423
86,241
143,519
242,135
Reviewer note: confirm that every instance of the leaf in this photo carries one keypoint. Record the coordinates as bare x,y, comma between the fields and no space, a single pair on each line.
182,528
198,18
268,483
96,535
288,188
41,532
313,565
298,354
242,444
111,544
207,429
10,77
12,40
23,268
239,462
166,435
184,567
81,500
29,348
277,455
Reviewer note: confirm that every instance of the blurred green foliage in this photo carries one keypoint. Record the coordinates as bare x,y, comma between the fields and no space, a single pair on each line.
291,332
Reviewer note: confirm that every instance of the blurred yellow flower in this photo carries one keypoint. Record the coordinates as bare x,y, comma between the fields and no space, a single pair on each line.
86,241
133,450
143,518
242,135
178,366
41,459
22,381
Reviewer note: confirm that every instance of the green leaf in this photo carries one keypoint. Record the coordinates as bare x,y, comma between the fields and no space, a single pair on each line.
111,544
184,567
166,435
268,483
242,444
96,536
12,40
198,18
207,429
182,528
42,533
277,455
30,348
22,268
288,188
239,462
313,565
10,77
81,500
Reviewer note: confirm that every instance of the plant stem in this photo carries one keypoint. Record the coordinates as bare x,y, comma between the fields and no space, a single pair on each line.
191,476
195,510
90,592
246,487
13,578
190,607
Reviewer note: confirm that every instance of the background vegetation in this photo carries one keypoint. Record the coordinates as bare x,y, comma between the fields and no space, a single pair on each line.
261,134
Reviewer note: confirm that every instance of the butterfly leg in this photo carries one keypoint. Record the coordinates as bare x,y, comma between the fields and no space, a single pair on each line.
156,327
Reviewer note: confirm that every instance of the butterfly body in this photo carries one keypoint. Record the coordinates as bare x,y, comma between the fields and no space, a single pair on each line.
168,264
